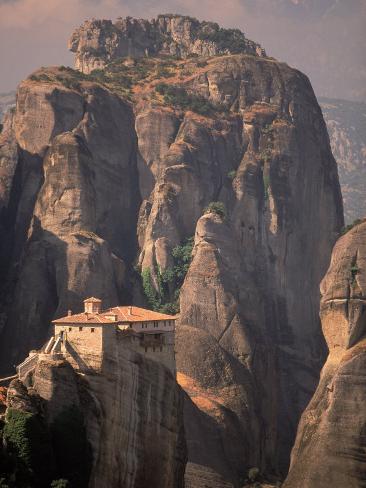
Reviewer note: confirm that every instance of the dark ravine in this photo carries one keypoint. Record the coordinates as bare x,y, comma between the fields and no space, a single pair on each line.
95,187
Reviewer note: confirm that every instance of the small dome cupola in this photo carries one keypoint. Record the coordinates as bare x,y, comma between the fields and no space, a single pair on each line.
92,305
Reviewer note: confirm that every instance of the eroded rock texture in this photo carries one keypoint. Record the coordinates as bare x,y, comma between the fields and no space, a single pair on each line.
251,287
64,236
331,442
133,414
98,42
249,344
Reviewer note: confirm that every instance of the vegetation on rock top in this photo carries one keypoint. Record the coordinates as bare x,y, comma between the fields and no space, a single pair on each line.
349,227
217,208
156,79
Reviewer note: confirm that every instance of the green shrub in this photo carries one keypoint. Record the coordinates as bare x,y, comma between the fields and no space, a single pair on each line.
163,72
179,97
266,184
266,154
253,474
354,272
166,298
41,77
61,483
150,292
232,40
170,308
182,256
217,208
29,445
348,227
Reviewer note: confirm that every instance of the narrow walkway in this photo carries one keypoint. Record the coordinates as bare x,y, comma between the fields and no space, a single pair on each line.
9,378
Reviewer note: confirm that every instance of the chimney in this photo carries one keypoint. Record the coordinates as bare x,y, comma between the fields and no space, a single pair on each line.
69,313
130,310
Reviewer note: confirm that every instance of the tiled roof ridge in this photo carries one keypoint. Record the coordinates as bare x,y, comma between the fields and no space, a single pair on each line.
141,314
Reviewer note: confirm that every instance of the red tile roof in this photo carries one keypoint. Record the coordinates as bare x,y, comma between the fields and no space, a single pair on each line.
122,313
93,299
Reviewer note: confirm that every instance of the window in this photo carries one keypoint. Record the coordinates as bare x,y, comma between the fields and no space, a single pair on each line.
153,349
70,329
156,336
80,329
92,329
145,349
161,348
156,324
130,326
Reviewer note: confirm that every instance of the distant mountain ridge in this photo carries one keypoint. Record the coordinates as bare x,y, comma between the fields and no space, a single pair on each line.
346,122
312,7
6,101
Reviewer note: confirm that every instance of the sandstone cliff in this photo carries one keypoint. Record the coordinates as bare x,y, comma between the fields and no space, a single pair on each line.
251,285
65,238
113,171
330,443
133,414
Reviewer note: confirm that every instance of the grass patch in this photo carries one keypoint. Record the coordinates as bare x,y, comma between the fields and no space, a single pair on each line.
177,96
348,227
231,174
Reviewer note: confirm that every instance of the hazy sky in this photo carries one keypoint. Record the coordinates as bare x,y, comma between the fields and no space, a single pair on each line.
324,38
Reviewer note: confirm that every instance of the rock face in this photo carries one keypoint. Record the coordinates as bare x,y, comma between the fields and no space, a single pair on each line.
346,122
133,414
330,443
62,164
98,42
248,273
97,186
